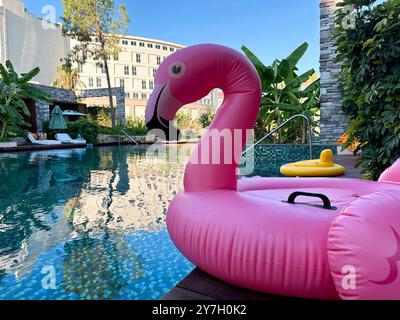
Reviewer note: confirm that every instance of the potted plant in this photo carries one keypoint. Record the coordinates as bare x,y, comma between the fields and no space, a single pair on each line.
13,89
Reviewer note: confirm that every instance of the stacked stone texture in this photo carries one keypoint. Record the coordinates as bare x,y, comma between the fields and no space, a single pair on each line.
70,96
118,93
333,120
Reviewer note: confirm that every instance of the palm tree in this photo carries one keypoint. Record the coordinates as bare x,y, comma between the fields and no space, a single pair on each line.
285,94
67,78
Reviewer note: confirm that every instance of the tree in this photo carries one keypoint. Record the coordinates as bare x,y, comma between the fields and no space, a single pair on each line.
369,55
207,117
185,121
67,77
13,89
285,94
97,27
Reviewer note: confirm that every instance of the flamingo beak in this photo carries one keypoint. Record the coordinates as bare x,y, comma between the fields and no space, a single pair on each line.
160,113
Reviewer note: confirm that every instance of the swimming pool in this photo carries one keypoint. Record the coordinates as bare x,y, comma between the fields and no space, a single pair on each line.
88,224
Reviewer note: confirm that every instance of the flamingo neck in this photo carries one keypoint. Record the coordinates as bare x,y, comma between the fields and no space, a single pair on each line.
214,162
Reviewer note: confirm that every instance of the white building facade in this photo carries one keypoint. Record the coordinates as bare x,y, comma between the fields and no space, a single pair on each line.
134,68
30,42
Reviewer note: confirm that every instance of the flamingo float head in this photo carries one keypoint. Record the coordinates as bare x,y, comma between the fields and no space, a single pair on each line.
189,75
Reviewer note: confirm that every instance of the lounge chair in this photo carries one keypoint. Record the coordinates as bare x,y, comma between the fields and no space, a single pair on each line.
42,142
65,138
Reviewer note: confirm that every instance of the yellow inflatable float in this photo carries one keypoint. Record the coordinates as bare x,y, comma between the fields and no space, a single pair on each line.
324,167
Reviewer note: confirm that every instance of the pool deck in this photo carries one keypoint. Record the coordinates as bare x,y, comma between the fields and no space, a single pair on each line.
35,147
201,286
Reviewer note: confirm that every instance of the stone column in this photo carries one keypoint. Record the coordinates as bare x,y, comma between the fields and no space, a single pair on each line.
333,121
42,115
120,108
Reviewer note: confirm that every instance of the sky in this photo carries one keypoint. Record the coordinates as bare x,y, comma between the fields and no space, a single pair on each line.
272,29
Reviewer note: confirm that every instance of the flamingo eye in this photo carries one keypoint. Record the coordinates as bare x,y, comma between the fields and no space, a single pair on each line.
177,70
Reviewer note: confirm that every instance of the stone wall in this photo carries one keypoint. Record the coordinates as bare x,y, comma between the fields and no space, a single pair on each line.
42,115
118,93
59,95
69,96
333,121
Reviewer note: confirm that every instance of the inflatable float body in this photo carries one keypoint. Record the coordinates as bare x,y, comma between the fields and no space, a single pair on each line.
313,238
324,167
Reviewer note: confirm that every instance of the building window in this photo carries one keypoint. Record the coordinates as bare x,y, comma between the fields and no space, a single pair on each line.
126,70
144,85
158,46
127,95
144,96
165,48
150,45
141,44
134,71
116,57
80,67
133,43
135,95
158,60
138,58
172,49
103,68
91,84
125,42
154,72
122,83
151,85
98,80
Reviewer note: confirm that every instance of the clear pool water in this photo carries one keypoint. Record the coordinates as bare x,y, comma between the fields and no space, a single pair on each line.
88,224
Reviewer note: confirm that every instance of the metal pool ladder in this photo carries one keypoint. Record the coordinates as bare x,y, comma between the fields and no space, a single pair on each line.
129,136
282,125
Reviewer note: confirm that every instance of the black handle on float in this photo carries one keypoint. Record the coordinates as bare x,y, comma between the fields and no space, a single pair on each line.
324,198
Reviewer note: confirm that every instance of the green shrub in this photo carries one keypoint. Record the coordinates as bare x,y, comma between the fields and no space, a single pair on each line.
184,121
136,127
4,139
100,114
87,129
207,117
370,54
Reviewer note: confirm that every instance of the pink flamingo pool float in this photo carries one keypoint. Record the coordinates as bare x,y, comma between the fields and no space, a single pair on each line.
319,238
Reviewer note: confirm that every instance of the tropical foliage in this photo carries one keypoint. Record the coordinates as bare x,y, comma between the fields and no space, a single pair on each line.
67,77
136,127
97,26
14,88
185,121
87,129
207,117
285,94
370,56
